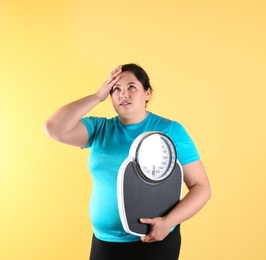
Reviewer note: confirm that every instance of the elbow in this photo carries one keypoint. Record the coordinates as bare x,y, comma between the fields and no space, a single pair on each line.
49,129
205,195
206,189
208,193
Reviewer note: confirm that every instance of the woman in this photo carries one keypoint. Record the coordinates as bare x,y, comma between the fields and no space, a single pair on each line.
110,141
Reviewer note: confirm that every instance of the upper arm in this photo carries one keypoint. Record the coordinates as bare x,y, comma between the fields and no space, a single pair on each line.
195,174
78,136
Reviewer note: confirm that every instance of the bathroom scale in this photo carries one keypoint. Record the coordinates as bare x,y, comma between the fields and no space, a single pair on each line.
150,181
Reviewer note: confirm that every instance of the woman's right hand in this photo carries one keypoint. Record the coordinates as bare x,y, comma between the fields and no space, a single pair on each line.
64,124
107,86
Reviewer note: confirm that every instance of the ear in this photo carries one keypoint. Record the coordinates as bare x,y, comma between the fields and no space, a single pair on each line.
148,94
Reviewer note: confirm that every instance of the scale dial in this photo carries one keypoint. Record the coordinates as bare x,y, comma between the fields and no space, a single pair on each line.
155,156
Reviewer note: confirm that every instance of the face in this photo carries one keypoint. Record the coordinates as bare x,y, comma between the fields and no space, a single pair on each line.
129,98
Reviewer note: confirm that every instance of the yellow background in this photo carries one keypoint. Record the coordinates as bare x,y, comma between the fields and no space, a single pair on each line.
206,61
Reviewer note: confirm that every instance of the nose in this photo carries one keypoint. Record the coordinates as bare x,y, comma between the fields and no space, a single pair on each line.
123,94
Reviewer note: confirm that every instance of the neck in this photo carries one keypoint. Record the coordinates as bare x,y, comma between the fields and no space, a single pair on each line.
134,119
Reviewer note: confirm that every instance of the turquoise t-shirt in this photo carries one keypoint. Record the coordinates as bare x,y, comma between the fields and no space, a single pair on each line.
110,141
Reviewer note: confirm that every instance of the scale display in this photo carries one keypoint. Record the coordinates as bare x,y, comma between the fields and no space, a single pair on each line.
149,181
155,156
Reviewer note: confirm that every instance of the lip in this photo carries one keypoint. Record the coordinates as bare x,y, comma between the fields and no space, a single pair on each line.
125,103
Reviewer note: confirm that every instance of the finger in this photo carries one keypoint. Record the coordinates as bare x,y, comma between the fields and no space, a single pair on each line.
112,84
116,69
113,77
145,239
116,72
146,220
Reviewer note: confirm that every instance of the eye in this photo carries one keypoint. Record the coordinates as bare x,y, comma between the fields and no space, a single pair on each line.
115,89
132,87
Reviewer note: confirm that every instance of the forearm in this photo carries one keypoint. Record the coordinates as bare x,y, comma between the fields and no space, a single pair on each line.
190,205
185,209
64,124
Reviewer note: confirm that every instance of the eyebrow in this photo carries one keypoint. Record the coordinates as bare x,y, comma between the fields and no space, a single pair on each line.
129,83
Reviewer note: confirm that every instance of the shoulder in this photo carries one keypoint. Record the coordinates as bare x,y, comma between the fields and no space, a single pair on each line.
93,120
155,117
97,127
98,124
170,123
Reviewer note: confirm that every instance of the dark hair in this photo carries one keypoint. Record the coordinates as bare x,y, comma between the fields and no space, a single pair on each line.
139,73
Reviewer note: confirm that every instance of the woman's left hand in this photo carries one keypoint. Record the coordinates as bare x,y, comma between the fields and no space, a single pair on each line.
199,193
158,229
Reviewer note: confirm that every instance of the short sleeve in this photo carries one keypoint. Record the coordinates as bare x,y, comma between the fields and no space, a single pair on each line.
89,123
185,147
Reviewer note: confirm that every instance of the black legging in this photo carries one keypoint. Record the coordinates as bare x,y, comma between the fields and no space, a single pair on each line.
168,249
